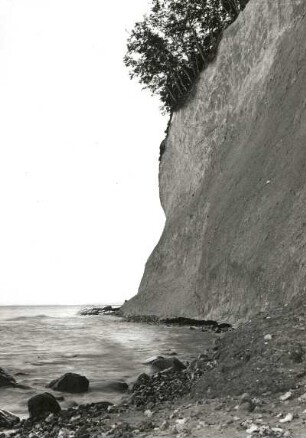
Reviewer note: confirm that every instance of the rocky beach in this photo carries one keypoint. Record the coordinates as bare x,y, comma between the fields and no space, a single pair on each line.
250,383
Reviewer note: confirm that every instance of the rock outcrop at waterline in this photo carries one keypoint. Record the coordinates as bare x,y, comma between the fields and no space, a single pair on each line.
232,178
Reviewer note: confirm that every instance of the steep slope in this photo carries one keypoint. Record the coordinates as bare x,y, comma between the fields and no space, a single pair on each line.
232,178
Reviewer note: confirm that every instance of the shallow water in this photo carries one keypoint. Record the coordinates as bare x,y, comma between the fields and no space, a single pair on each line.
39,344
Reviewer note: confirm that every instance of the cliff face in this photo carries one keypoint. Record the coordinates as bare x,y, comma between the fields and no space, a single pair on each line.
233,178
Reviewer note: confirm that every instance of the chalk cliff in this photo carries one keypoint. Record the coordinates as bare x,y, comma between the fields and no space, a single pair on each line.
233,178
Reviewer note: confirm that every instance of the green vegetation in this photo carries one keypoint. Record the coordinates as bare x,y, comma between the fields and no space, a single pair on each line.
168,49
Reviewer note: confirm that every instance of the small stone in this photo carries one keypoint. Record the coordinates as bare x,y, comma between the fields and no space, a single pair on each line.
174,414
287,419
302,398
277,429
165,425
180,424
181,420
245,396
286,396
202,423
65,433
49,418
253,428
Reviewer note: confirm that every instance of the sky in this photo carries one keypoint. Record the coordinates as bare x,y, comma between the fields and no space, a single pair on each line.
79,146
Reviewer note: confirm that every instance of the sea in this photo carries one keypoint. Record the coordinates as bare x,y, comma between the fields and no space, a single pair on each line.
41,343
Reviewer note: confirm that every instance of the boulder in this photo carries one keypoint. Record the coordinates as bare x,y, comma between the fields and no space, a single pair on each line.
93,311
70,382
7,419
151,359
142,380
43,404
6,379
162,364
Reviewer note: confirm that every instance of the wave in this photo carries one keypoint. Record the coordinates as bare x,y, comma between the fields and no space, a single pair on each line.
23,318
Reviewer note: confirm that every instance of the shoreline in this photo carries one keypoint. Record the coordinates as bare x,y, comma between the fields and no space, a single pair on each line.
177,321
37,364
252,383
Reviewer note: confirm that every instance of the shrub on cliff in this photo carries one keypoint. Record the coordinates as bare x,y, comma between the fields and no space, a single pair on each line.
171,45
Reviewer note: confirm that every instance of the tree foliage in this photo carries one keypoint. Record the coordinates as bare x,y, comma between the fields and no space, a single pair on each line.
171,45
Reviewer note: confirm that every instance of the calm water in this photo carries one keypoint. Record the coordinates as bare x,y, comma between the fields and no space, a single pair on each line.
39,344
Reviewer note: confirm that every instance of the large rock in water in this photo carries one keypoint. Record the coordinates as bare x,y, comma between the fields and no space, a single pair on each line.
6,379
70,382
43,404
232,178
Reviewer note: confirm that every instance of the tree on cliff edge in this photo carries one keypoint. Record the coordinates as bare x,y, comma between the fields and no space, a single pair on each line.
171,45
